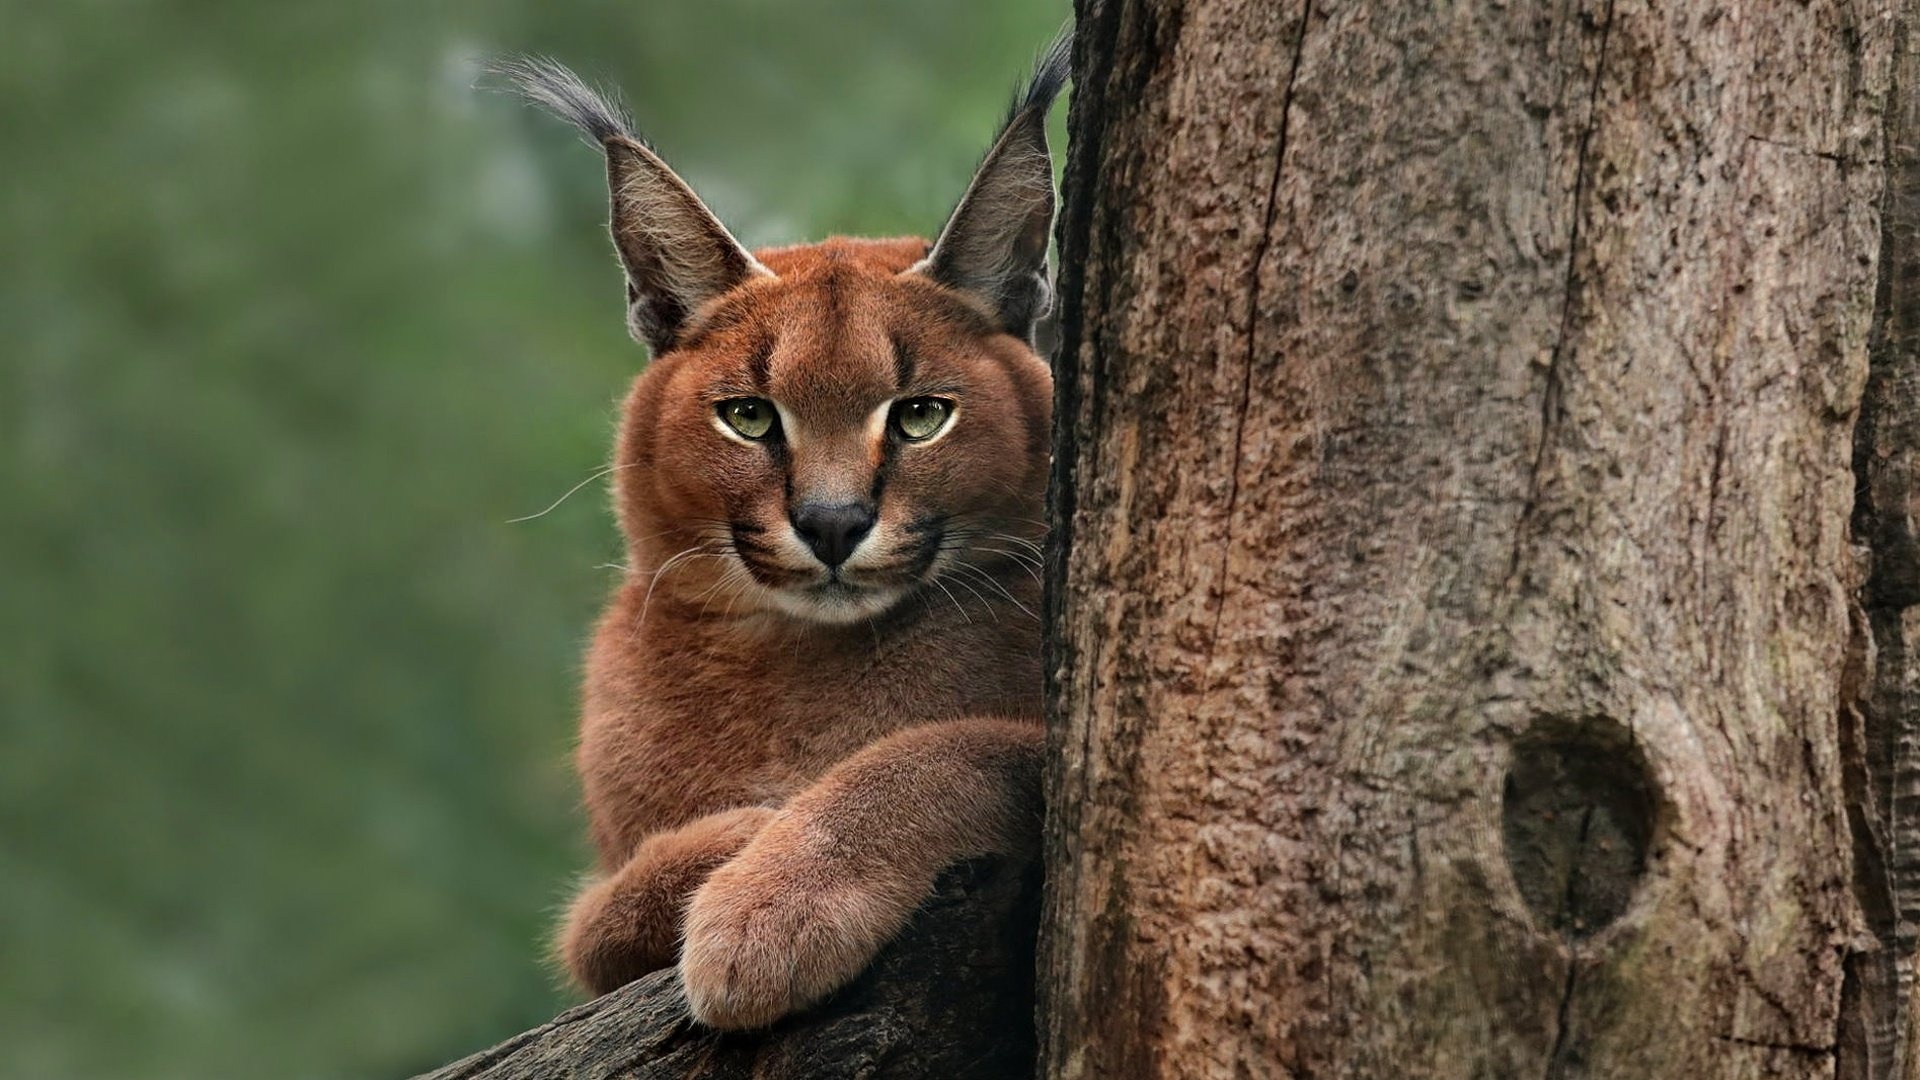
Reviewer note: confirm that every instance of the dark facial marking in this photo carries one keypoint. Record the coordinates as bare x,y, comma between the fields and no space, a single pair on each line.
760,362
903,364
757,557
881,470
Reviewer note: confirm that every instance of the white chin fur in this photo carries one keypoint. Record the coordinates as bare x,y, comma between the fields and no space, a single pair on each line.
836,609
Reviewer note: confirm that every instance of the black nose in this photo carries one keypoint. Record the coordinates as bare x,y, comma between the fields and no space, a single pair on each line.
832,530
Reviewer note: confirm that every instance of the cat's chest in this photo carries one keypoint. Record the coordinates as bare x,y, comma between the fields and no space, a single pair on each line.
682,723
803,704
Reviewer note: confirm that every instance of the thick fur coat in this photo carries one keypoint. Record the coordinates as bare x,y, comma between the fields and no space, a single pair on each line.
819,683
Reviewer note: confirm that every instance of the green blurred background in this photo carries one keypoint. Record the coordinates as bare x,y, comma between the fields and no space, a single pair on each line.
292,322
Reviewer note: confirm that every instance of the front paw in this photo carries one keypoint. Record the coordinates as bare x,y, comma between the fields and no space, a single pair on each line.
766,936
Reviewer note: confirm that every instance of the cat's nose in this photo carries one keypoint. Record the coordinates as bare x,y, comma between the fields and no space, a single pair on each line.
832,530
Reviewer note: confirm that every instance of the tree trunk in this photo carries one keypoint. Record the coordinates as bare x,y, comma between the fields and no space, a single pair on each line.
1461,660
952,999
1880,721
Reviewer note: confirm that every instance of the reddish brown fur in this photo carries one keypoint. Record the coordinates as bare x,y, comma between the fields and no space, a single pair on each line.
771,794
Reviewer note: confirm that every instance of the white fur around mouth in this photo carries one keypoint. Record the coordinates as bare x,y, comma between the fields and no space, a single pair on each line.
835,601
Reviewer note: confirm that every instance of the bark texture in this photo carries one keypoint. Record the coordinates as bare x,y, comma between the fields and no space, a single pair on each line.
1880,727
1468,658
951,1000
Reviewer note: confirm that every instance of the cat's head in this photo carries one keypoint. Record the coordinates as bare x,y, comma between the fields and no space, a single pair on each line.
828,429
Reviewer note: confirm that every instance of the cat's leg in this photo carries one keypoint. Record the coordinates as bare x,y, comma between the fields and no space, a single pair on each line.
627,924
836,872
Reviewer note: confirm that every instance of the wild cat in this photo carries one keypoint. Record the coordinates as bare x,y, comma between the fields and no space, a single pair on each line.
819,684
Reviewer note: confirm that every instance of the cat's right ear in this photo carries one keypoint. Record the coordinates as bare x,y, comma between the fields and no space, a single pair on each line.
994,247
676,253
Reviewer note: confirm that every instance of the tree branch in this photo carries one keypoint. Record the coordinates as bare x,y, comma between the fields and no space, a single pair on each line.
951,999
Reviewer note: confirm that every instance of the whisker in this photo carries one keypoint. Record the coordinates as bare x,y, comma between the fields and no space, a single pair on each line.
995,583
730,576
604,470
984,602
697,551
956,600
743,582
1032,569
710,590
1038,551
698,528
1028,550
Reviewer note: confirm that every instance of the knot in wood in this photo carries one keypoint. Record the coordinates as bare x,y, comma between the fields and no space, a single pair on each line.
1578,822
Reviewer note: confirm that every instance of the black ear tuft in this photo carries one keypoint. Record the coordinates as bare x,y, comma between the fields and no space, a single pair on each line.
1050,75
994,246
544,82
677,255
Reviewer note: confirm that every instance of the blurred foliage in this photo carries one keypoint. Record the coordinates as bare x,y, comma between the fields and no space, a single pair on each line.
295,321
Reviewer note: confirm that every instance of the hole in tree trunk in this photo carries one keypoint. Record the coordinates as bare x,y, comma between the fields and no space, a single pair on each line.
1578,821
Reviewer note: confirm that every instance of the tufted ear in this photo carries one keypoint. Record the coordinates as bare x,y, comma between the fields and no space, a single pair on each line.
994,247
676,253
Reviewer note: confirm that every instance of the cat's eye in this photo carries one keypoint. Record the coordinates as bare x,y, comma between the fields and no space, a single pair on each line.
752,417
921,418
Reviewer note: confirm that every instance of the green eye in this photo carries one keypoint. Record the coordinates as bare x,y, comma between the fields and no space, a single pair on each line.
921,418
752,417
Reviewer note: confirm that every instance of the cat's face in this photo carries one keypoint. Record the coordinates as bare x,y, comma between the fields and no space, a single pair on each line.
827,429
827,439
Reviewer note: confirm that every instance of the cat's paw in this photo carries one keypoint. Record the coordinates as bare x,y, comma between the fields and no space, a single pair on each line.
767,936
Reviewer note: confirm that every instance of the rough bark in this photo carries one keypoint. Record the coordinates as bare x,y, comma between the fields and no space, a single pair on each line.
951,1000
1461,662
1880,724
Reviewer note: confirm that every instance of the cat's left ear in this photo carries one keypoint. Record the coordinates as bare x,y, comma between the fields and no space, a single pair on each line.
994,247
